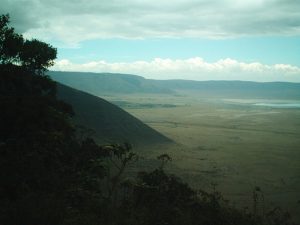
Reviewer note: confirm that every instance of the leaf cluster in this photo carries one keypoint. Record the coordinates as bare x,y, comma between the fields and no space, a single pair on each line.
34,55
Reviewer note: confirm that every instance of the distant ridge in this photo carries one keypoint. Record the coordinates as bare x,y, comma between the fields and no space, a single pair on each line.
110,83
235,89
106,83
111,123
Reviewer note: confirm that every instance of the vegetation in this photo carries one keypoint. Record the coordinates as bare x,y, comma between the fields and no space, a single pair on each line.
49,176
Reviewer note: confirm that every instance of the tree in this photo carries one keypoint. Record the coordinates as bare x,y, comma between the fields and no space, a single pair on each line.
34,55
37,56
164,158
38,149
10,42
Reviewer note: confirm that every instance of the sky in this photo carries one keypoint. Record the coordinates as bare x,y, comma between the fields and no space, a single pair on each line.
255,40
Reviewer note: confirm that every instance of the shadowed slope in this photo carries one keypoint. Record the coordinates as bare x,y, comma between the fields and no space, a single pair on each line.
111,123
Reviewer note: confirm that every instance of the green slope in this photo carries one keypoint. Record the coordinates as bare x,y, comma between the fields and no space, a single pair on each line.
111,123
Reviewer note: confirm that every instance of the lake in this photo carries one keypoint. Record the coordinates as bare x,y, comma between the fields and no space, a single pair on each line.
279,105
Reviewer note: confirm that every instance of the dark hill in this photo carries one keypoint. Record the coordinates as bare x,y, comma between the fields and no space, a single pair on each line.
111,123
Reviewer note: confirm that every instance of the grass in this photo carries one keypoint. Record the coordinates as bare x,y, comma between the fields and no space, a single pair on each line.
234,147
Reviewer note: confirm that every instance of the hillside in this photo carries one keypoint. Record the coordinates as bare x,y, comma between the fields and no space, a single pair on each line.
111,123
106,83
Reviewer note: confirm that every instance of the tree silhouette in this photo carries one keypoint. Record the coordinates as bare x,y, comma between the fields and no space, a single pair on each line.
34,55
10,42
37,56
37,145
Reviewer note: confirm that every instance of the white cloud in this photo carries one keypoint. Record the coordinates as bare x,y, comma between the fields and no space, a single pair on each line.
190,69
72,21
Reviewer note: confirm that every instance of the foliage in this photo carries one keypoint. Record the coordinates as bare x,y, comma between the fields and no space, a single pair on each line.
34,55
164,158
10,42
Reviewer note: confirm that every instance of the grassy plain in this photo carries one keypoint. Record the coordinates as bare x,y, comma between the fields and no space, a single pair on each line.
231,145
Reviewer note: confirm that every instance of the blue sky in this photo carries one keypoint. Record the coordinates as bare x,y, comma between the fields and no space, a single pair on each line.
257,40
267,50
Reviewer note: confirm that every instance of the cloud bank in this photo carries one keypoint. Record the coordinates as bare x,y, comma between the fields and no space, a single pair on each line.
191,69
72,21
